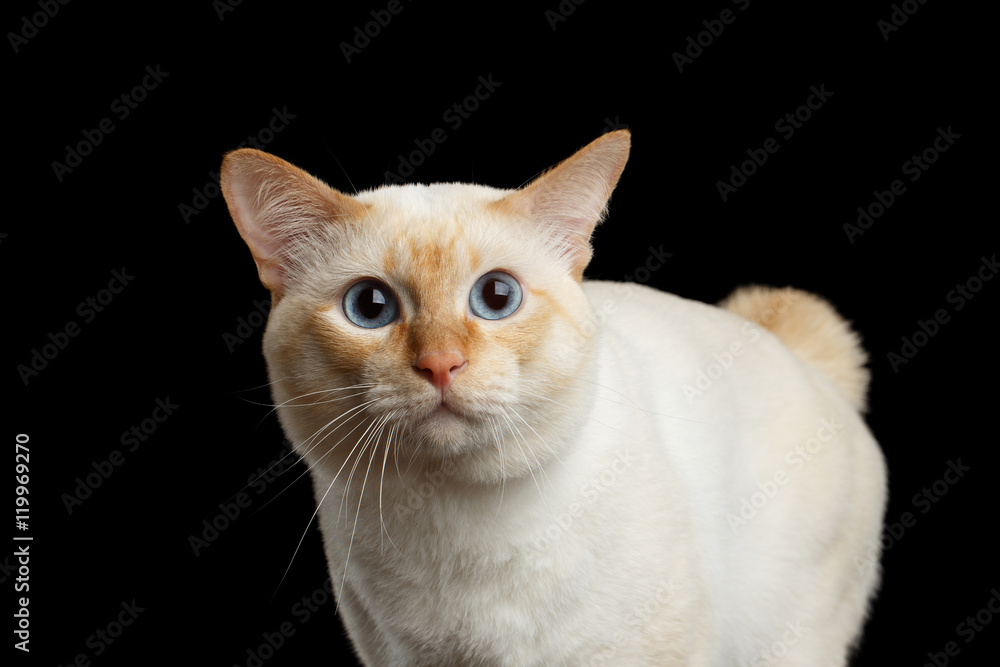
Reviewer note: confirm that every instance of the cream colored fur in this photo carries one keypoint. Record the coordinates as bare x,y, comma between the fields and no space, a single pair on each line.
622,476
812,329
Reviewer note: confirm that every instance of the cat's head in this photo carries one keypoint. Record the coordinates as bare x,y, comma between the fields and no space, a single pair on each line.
444,321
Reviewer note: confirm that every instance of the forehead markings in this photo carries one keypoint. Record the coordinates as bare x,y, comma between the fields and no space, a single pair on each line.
427,259
389,260
429,253
430,259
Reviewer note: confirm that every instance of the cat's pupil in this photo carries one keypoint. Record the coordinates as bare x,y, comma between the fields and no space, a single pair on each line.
495,294
371,302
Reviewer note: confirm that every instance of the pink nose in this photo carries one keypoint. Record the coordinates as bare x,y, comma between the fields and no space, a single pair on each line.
441,369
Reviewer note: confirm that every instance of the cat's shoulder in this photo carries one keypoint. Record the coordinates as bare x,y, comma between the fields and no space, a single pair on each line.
637,314
633,300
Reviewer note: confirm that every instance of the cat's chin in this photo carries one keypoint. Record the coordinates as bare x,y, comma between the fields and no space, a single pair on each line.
445,427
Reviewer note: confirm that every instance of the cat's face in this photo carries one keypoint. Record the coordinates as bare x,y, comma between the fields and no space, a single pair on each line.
444,322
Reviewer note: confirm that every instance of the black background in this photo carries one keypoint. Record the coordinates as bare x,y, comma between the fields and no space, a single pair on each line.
606,65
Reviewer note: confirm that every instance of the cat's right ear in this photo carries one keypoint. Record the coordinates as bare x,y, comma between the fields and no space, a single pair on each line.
274,205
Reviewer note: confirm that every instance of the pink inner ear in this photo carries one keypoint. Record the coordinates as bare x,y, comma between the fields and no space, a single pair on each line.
271,276
273,203
574,206
267,267
240,185
264,246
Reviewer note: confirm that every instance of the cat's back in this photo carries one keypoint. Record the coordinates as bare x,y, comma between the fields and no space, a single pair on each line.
699,353
783,483
720,388
684,343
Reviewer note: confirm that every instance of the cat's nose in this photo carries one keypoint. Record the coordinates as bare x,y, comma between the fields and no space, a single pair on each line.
441,368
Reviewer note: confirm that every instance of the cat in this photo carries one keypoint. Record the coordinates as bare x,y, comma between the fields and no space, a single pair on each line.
516,466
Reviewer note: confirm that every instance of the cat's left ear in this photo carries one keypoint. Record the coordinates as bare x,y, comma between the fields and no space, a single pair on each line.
571,198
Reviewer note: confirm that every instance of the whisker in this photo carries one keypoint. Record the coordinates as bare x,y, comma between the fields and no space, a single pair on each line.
312,393
513,427
413,457
313,517
495,427
361,499
547,446
288,454
355,409
318,461
385,457
321,391
301,539
366,436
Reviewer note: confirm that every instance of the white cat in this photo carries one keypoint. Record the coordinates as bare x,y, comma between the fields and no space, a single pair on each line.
514,466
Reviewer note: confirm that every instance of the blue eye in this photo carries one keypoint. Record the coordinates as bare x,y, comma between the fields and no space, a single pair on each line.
370,304
495,296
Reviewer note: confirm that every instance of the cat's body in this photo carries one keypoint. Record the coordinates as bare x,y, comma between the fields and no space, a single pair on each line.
606,474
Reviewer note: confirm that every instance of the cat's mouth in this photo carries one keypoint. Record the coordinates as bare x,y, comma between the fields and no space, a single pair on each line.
444,410
445,415
445,425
